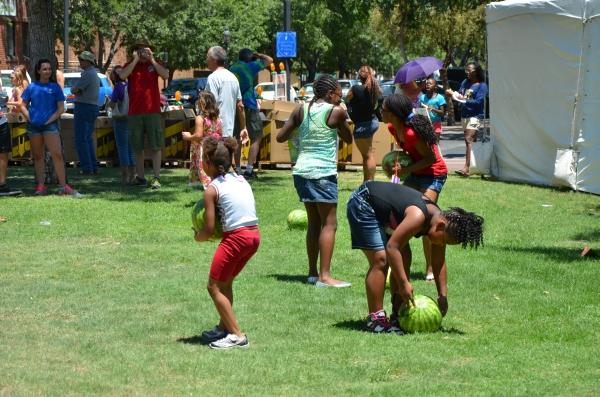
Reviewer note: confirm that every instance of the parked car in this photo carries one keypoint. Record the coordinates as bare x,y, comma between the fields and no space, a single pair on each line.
346,85
308,92
71,78
190,90
268,91
5,76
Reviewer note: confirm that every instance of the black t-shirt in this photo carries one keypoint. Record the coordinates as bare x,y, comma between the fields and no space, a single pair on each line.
390,201
362,108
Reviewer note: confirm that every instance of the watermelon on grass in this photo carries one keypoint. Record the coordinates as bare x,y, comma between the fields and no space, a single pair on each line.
297,219
424,316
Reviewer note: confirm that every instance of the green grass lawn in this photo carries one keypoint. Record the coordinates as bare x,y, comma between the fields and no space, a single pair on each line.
110,297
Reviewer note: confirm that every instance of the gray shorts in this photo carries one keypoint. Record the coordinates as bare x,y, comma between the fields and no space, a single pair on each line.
254,125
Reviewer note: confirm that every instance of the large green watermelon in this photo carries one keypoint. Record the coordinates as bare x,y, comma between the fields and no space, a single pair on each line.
297,219
424,316
198,219
390,159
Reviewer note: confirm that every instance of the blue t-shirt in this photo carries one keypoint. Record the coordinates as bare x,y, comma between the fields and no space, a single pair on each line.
474,94
435,102
245,72
43,99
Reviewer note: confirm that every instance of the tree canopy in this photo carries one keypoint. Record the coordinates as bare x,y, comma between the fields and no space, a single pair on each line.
332,35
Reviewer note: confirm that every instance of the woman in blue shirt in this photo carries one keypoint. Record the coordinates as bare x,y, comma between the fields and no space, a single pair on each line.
43,103
472,92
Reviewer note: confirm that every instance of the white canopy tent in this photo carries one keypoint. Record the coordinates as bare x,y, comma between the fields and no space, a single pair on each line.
544,67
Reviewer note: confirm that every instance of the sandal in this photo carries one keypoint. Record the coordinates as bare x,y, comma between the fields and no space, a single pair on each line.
462,173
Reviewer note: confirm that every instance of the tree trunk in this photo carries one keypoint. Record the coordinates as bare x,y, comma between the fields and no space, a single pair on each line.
41,33
311,67
113,49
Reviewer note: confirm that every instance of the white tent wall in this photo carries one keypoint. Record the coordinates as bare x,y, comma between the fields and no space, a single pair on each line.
588,145
541,59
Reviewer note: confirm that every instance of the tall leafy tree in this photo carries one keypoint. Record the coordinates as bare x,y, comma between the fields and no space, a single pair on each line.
41,32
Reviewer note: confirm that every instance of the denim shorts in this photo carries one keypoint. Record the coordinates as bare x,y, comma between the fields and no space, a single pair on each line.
322,190
430,182
366,129
33,130
365,231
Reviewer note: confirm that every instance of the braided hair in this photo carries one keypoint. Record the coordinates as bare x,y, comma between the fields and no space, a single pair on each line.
366,74
466,227
401,106
321,86
219,152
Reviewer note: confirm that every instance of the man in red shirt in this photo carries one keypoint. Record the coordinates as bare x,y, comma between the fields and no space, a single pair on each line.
144,108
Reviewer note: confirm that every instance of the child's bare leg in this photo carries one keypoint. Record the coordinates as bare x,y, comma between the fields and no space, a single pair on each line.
222,295
375,279
327,214
312,238
394,284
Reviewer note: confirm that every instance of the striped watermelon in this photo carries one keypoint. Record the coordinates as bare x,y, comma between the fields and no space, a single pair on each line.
198,219
424,316
390,159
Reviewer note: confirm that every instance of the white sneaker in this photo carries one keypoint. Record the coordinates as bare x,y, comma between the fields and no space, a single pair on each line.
229,342
343,284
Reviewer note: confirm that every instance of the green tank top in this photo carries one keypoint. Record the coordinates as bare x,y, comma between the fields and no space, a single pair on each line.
317,151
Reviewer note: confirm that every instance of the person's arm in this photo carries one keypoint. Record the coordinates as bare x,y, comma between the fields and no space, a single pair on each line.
198,131
338,120
25,109
438,264
290,125
241,115
126,71
210,208
410,226
60,109
267,60
160,69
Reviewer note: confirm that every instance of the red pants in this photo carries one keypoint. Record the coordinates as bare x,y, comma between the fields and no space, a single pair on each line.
234,251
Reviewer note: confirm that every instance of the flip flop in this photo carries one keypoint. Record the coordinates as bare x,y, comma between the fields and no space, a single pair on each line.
462,173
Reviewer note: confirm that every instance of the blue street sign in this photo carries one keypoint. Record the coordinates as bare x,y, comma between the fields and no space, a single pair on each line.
285,45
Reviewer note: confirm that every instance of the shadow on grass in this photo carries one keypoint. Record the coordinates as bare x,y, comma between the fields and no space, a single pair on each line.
193,340
454,331
359,325
352,325
554,253
592,235
289,278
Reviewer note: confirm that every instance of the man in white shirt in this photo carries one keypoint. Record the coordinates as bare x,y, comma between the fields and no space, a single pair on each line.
225,87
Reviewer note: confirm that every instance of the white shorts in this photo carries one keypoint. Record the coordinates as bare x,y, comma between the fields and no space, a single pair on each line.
471,123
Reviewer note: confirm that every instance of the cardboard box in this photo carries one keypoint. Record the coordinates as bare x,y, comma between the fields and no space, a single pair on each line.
382,144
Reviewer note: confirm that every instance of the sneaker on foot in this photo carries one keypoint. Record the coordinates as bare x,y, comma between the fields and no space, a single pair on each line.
380,324
214,334
229,342
155,184
40,190
312,279
250,176
67,190
6,191
429,277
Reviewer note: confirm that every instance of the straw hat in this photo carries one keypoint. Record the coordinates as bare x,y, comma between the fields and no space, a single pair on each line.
88,56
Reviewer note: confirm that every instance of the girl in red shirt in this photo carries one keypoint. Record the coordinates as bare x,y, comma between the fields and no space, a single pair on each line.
414,133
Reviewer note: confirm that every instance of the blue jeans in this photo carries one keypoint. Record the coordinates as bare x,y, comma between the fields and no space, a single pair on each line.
85,116
126,155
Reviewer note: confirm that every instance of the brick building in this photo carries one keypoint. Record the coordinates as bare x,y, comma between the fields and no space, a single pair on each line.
14,40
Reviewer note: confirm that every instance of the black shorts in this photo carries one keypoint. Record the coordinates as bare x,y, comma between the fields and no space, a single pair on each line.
254,124
5,139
